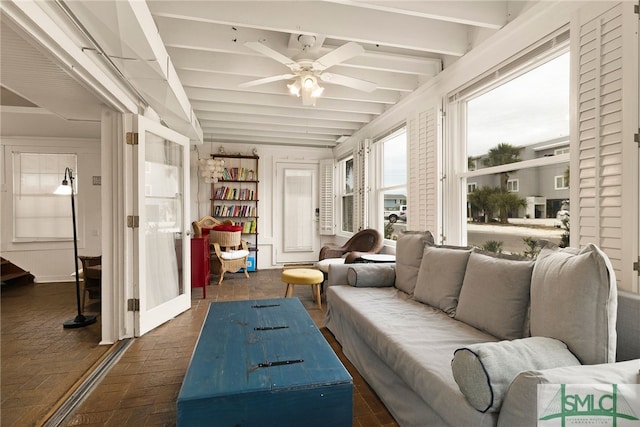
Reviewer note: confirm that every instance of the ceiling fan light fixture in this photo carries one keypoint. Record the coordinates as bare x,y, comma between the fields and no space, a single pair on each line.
294,88
308,82
317,91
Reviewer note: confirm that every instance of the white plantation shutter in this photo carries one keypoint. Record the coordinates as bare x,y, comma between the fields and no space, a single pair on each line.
327,198
361,185
422,186
598,154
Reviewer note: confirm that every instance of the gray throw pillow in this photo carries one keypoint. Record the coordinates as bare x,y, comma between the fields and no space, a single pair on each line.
371,275
484,371
574,299
440,276
495,295
409,250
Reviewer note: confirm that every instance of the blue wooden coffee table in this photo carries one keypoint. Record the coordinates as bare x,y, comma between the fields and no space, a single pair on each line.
264,363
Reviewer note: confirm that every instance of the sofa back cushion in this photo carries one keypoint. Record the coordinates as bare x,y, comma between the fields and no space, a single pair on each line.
409,250
495,295
440,276
574,300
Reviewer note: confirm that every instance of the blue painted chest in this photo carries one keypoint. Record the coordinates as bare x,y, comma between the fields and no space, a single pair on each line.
264,363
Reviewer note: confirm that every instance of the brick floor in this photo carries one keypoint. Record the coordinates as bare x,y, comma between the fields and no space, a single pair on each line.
40,360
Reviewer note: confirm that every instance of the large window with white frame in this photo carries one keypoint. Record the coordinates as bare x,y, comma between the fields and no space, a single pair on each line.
39,214
346,186
516,127
390,184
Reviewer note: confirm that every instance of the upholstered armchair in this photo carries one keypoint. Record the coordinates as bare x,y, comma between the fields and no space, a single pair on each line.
365,241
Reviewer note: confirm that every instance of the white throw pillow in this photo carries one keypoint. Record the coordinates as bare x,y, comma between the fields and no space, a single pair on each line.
229,255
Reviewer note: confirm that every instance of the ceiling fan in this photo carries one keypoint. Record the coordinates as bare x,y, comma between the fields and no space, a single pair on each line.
306,71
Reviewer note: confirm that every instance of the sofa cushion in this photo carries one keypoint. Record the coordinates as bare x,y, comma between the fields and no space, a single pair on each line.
484,371
574,299
495,295
371,275
440,276
416,341
409,249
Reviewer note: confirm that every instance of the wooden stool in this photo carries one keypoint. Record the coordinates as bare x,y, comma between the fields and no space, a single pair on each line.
303,276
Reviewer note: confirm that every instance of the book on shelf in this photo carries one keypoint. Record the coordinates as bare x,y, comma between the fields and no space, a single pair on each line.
238,174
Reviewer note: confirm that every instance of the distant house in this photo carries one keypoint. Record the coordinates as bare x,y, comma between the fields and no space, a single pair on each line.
544,187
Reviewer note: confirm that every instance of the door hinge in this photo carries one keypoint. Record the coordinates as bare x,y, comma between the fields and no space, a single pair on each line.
636,8
133,221
636,266
132,138
133,304
636,138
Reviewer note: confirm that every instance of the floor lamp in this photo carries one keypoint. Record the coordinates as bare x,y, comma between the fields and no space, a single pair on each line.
67,188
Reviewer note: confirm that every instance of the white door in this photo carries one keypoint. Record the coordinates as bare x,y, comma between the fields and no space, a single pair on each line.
297,214
161,243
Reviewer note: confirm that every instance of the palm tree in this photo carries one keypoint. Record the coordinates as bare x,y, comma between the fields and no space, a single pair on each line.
502,154
483,199
507,201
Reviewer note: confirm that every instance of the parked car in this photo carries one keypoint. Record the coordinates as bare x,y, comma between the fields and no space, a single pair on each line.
395,215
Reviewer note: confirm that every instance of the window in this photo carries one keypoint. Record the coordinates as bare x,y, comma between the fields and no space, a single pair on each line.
562,182
346,178
391,175
514,119
40,215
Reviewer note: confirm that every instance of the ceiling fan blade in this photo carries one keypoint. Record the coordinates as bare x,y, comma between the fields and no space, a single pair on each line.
273,54
339,79
267,80
338,55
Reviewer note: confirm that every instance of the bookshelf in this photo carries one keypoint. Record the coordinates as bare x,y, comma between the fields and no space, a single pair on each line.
235,197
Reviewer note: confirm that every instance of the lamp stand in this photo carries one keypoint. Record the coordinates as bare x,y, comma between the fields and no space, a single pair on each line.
80,320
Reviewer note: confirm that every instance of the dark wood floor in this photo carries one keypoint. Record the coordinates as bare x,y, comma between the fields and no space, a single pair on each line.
41,361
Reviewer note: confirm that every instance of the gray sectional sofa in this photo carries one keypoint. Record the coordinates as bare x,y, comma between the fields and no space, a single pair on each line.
451,336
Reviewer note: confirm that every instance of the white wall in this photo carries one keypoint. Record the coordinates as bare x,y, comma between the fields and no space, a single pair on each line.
53,261
269,155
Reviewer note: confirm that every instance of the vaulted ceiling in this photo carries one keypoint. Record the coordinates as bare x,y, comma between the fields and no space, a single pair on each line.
191,60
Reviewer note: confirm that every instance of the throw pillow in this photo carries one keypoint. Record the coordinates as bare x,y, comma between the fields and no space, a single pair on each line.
409,249
495,295
484,371
440,276
371,275
574,299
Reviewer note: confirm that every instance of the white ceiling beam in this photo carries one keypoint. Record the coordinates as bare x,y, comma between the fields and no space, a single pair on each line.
270,134
291,127
220,39
287,112
486,14
329,19
246,139
336,126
